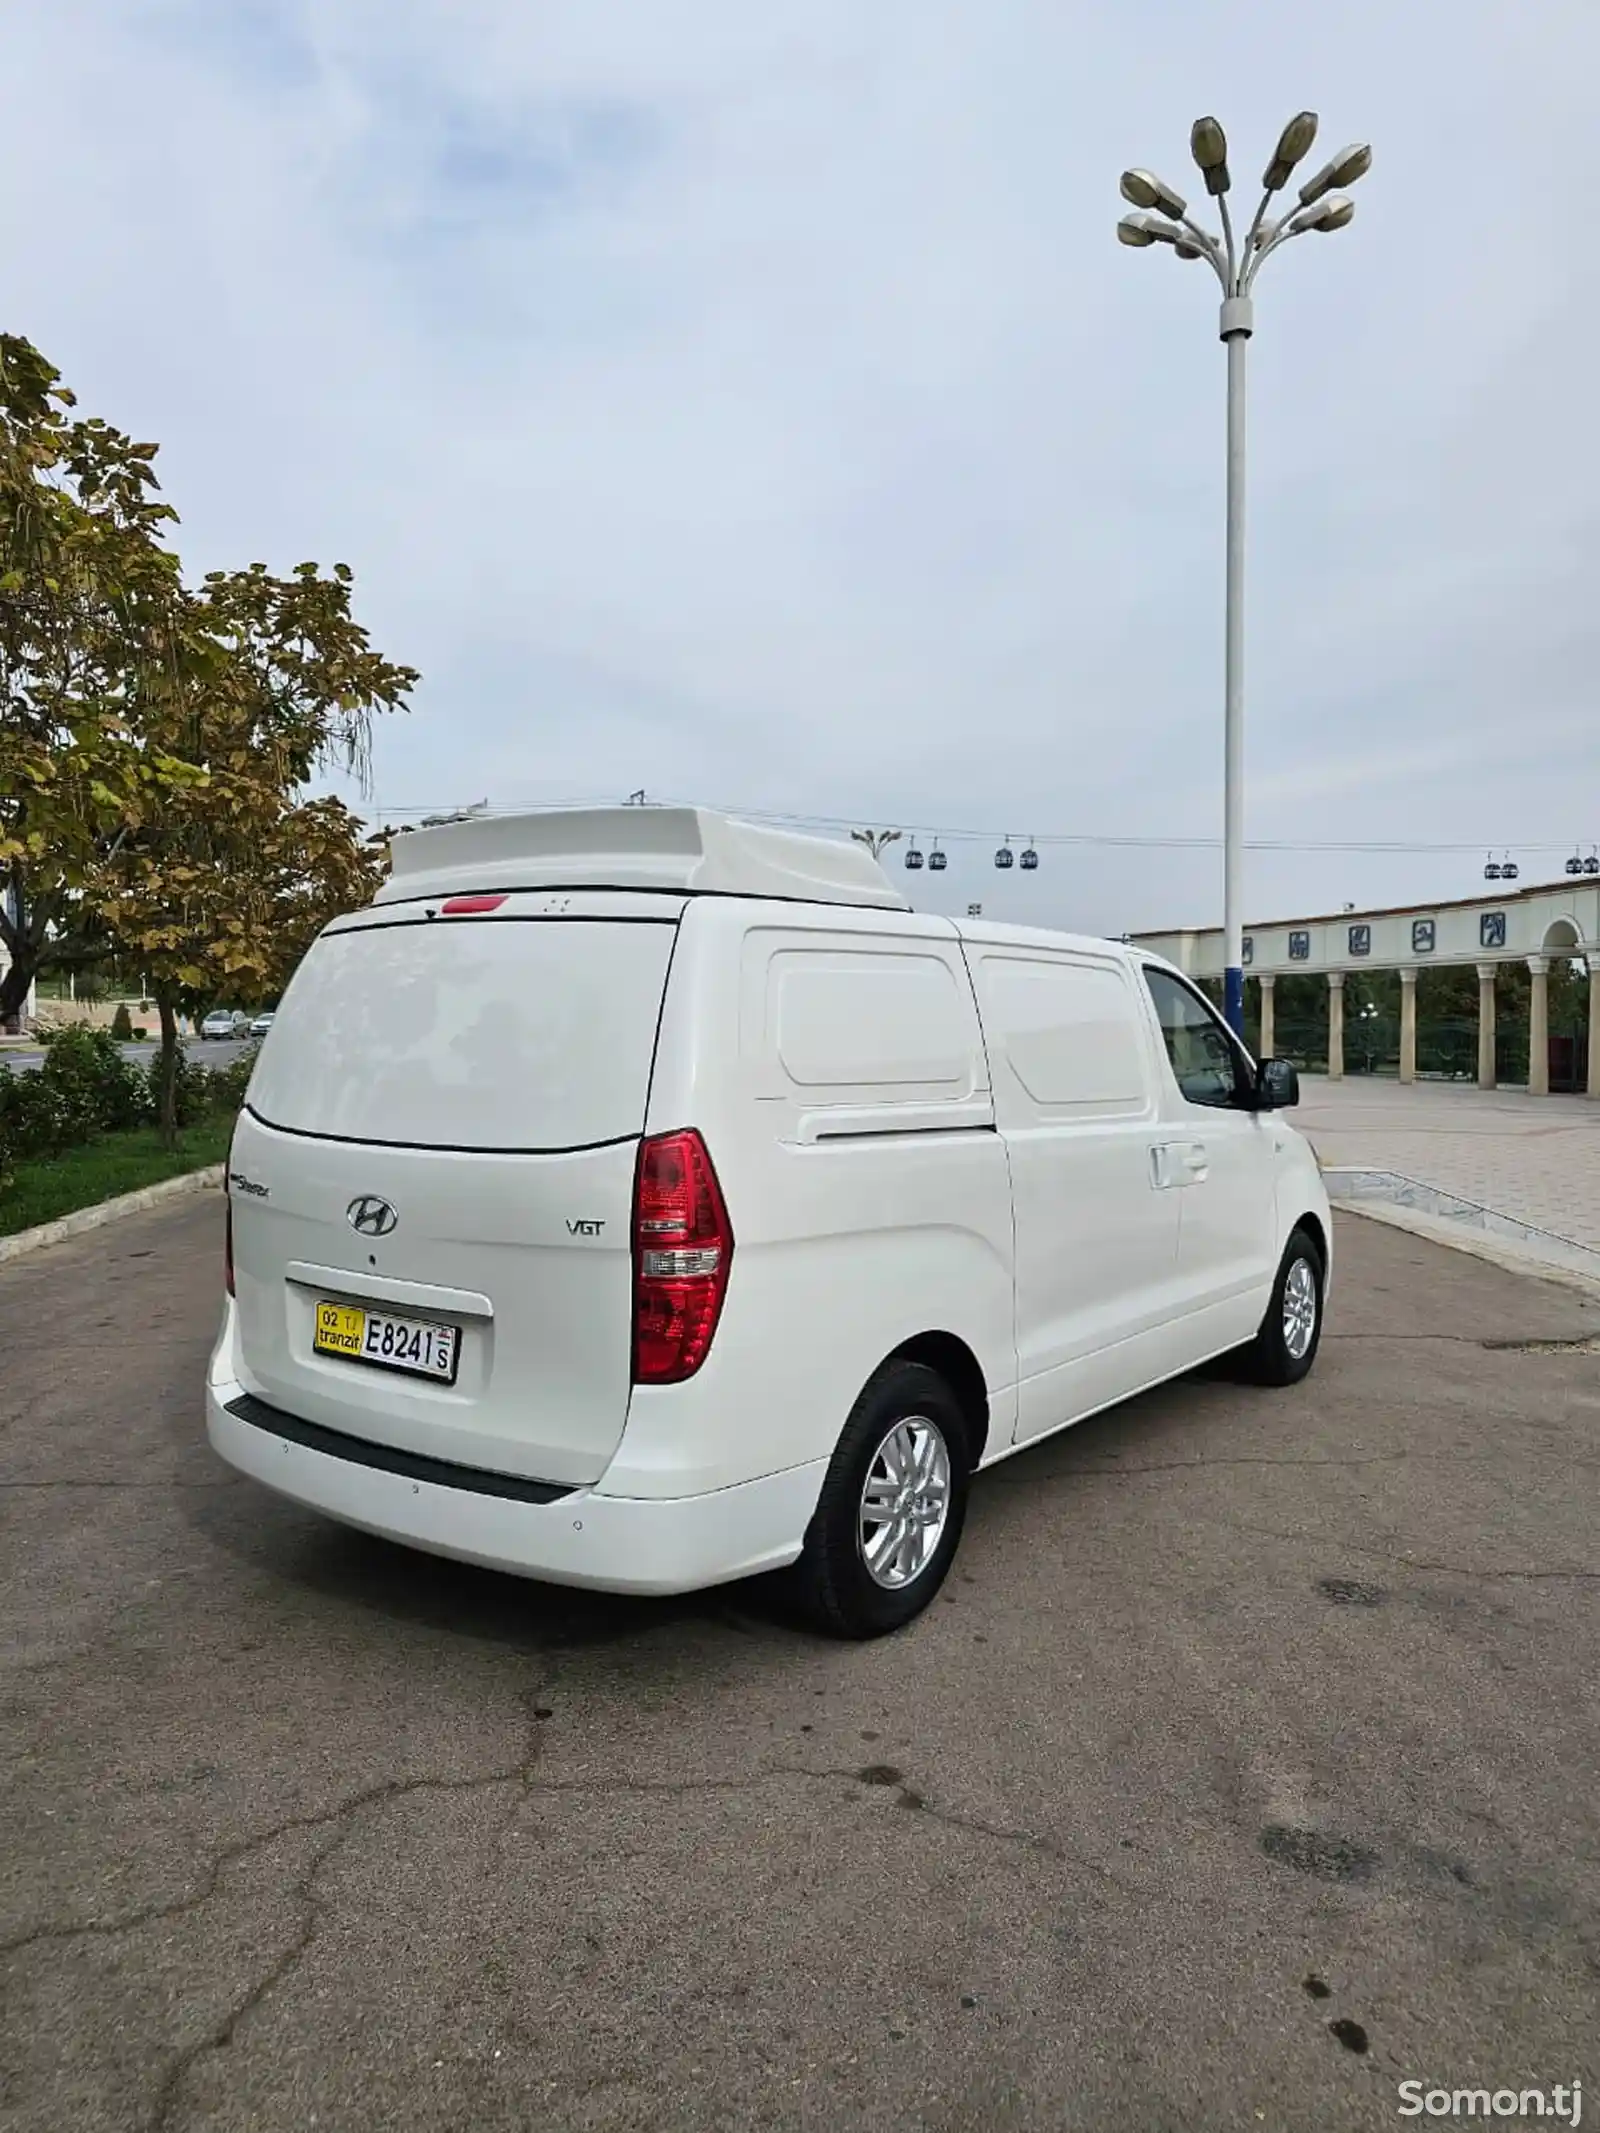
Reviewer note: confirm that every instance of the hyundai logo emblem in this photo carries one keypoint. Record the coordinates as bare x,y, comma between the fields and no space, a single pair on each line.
369,1216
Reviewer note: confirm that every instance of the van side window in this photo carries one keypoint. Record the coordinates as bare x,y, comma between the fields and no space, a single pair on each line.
1205,1061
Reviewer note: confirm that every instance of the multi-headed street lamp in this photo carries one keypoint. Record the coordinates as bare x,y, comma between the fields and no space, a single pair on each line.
1166,220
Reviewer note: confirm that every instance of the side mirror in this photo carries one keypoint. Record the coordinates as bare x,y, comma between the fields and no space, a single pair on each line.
1277,1085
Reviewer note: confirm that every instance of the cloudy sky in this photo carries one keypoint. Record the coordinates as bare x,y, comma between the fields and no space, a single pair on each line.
752,405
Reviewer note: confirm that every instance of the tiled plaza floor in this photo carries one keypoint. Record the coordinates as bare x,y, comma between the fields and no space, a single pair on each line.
1534,1158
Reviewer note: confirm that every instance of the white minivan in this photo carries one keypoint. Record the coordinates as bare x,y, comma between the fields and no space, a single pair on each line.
640,1199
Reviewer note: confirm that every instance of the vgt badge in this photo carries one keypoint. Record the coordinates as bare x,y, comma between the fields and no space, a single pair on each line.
371,1217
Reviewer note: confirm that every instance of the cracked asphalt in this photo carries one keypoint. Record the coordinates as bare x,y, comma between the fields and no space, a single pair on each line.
1246,1769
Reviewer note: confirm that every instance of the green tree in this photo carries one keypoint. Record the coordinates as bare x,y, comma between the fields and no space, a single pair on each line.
157,741
219,894
226,897
88,596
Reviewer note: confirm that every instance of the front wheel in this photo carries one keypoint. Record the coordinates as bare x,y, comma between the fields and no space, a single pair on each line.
889,1517
1291,1333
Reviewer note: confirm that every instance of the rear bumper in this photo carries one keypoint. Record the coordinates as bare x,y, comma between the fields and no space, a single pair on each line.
583,1537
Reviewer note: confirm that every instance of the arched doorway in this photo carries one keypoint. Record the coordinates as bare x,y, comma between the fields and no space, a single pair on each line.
1568,1008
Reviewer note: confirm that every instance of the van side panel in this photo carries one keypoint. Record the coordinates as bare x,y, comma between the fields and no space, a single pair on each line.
1096,1236
836,1067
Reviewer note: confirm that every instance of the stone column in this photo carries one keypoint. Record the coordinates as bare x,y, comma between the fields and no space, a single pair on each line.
1487,1070
1539,1027
1269,1031
1408,1025
1594,1025
1336,1025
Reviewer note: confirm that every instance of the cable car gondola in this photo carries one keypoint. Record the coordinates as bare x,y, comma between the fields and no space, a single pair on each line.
913,857
1491,869
1575,864
937,860
1005,857
1508,868
1592,864
1030,858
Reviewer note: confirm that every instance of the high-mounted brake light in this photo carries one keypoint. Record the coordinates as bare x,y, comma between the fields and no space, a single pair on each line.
469,906
682,1246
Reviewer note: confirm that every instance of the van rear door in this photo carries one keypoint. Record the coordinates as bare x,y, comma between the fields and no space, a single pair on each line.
441,1133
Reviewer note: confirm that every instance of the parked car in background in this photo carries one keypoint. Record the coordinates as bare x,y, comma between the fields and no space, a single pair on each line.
223,1022
483,1288
261,1024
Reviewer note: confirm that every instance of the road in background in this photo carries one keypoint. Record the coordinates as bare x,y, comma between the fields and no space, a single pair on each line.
1244,1770
214,1052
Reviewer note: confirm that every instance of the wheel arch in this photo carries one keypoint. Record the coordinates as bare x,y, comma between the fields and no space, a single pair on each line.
949,1355
1312,1223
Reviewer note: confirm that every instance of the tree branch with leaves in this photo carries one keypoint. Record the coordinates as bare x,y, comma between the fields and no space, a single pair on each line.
157,740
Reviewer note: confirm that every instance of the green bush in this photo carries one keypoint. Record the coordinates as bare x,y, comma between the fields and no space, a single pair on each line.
101,1091
34,1120
191,1092
122,1024
86,1087
228,1084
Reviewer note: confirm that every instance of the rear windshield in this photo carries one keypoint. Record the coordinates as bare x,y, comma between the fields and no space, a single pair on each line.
477,1033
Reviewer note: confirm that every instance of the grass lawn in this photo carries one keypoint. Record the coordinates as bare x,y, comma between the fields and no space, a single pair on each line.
117,1163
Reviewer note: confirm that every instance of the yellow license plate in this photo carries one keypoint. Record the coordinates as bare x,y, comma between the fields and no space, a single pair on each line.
418,1346
340,1329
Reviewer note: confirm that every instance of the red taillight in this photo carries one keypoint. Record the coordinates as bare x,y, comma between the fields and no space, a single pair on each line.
227,1245
682,1244
470,906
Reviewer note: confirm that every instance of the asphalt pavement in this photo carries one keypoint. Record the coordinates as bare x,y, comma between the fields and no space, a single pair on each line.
1245,1770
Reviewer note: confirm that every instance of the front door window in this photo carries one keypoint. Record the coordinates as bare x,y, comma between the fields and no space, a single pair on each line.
1206,1062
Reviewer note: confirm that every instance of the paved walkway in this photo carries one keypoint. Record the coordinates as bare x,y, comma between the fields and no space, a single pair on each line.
1535,1159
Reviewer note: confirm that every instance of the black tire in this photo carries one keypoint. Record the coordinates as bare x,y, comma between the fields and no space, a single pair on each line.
831,1583
1271,1358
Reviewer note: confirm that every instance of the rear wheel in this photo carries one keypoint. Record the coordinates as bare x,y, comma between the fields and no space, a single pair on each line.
1286,1346
889,1518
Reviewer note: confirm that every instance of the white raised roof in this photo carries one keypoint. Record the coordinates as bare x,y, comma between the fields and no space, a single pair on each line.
687,849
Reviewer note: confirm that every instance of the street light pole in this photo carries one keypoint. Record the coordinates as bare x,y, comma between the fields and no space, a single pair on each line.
1236,326
1236,266
876,840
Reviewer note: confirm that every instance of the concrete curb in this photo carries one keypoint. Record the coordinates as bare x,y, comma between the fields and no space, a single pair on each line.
89,1218
1348,1182
1439,1229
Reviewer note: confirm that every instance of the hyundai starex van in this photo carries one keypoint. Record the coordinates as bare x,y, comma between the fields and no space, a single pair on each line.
639,1199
